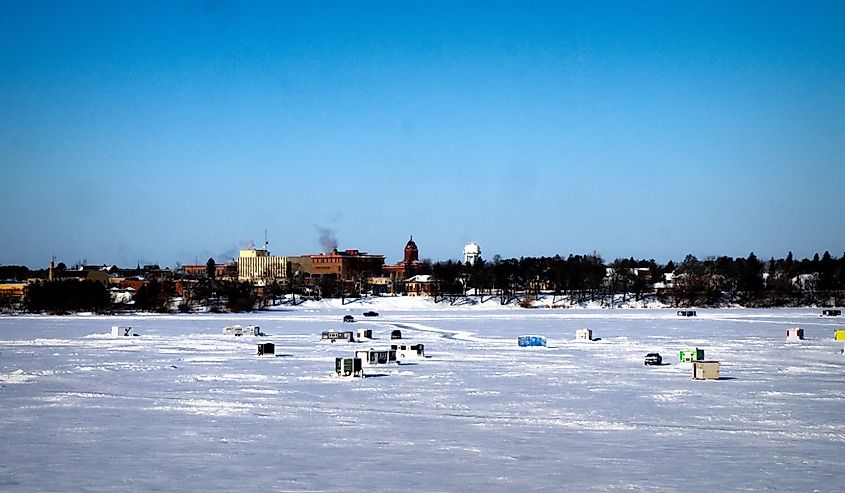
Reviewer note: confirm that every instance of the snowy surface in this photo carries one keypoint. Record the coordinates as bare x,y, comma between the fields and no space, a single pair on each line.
181,407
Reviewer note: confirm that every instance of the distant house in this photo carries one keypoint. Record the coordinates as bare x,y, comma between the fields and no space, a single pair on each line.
805,281
421,285
12,293
86,272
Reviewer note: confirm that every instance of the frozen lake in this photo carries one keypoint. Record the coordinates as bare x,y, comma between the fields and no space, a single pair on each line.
181,407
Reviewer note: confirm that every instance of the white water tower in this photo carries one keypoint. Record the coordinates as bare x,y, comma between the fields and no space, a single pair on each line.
472,252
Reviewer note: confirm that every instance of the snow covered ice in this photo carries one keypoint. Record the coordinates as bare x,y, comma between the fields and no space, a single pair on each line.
182,407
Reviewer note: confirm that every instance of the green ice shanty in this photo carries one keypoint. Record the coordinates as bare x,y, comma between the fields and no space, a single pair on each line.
690,355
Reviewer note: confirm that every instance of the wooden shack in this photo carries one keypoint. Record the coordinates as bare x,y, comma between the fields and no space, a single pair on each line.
266,349
337,336
705,370
794,334
690,355
396,334
117,331
348,367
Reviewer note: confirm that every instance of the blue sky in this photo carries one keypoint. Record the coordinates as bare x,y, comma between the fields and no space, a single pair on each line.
172,131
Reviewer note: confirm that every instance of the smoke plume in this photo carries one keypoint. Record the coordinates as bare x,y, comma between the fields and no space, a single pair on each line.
327,239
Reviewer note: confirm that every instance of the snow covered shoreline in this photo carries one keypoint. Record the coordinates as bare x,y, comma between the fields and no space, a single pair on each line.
423,304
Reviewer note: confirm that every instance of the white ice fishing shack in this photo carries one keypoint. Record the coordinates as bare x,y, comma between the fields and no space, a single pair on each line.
238,330
376,356
584,335
794,334
117,331
408,351
337,336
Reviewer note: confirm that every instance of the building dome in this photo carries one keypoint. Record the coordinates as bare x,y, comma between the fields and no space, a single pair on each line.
411,252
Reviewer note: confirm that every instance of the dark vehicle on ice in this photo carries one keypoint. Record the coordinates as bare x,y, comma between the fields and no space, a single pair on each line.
653,359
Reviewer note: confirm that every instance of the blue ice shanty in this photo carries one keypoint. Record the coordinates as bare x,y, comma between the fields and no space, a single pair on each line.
526,341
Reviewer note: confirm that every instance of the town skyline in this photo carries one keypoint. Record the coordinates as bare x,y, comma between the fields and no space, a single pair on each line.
170,133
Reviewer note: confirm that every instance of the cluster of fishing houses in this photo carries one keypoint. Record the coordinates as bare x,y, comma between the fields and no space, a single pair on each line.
400,350
702,369
353,366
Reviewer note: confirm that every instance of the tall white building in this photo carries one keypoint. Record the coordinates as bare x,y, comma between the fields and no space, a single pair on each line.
472,252
257,264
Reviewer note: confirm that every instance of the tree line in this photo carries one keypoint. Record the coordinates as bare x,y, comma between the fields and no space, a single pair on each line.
576,279
714,281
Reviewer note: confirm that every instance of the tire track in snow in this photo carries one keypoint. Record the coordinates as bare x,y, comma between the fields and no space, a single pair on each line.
459,335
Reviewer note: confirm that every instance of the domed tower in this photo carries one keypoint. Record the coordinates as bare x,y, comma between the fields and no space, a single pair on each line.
412,254
471,252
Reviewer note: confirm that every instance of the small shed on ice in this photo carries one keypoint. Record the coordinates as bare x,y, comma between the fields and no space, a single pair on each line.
338,336
705,370
238,330
686,313
584,335
266,349
348,367
121,331
531,341
839,335
376,356
831,313
794,334
408,351
365,333
690,355
396,334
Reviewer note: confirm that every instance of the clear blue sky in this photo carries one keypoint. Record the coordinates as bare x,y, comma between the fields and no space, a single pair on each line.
172,131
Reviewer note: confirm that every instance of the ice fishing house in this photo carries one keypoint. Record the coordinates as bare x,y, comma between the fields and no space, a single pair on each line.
266,349
121,331
408,351
686,313
530,341
690,355
237,330
584,335
365,333
839,335
376,356
705,370
794,334
337,336
348,367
